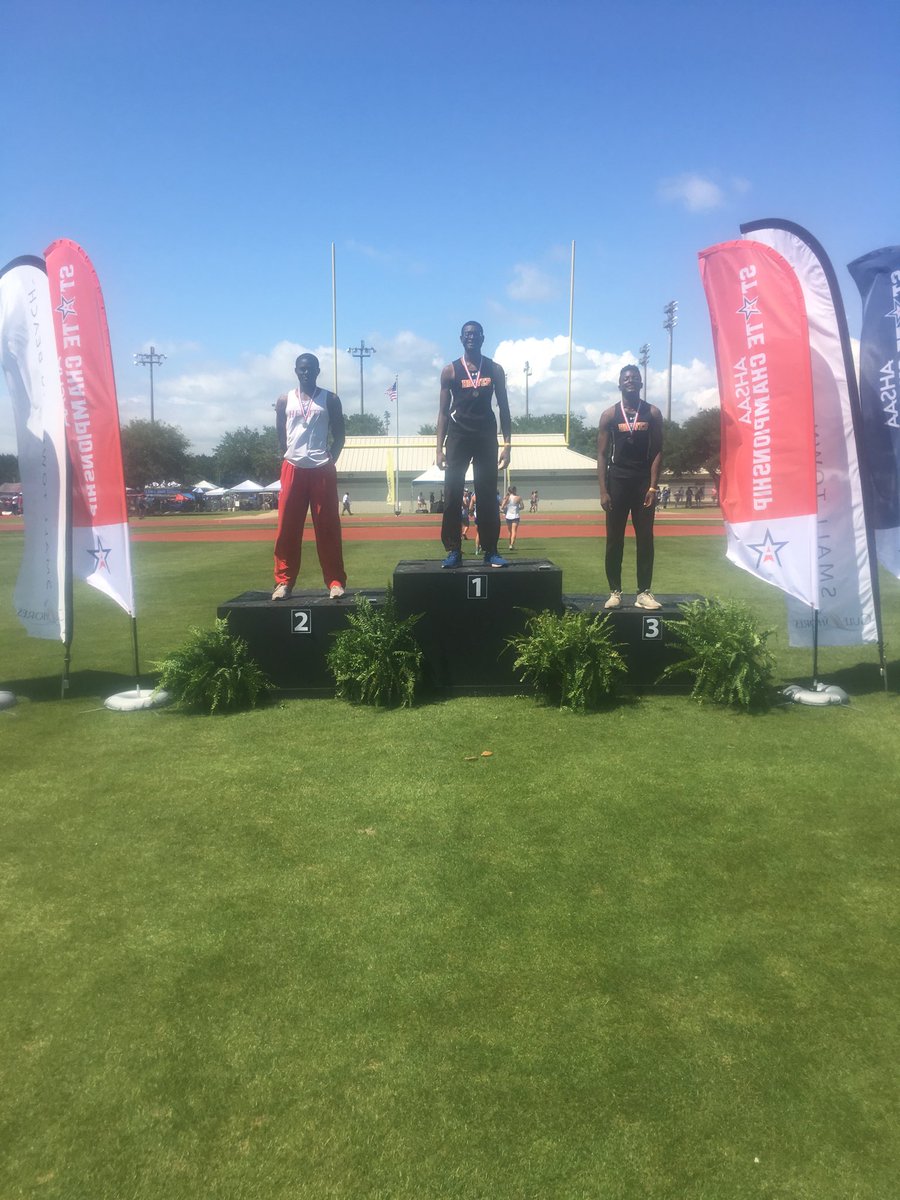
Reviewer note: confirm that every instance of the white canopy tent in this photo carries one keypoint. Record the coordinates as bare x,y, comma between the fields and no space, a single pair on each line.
246,487
436,475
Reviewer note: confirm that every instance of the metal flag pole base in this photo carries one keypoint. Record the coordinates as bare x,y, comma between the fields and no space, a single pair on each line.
820,695
7,699
137,699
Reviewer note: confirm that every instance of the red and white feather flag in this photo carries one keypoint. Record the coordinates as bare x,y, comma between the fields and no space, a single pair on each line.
768,485
101,548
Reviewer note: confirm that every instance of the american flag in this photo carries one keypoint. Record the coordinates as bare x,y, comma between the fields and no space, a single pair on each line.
391,392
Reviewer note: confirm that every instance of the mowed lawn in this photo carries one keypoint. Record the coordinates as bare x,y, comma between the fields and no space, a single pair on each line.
322,951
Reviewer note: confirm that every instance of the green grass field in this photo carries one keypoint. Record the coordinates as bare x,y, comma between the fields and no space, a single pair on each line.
312,951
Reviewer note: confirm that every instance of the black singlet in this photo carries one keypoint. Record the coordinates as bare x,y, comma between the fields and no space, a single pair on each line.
470,408
630,449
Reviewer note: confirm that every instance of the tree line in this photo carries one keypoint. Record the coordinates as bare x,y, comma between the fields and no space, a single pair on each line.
157,452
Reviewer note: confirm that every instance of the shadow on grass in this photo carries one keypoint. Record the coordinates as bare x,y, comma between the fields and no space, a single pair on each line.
100,684
862,679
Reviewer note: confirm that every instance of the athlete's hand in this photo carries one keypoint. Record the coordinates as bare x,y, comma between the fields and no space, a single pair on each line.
605,502
440,460
503,460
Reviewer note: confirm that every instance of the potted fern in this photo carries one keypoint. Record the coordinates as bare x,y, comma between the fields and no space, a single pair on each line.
726,654
213,672
569,659
376,660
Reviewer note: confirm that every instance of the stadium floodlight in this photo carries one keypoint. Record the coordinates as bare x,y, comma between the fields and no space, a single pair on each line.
362,352
151,360
671,311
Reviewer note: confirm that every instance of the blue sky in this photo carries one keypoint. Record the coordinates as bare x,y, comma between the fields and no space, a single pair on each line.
207,155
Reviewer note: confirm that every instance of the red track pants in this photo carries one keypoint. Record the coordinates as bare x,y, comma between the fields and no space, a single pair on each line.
303,489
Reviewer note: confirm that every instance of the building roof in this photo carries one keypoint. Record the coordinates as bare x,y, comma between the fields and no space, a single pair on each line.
533,452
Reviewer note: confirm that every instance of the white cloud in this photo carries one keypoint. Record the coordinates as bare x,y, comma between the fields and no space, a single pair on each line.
393,260
208,402
530,285
696,193
700,193
595,379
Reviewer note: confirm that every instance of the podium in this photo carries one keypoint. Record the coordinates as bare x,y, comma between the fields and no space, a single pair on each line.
470,612
645,639
466,619
290,638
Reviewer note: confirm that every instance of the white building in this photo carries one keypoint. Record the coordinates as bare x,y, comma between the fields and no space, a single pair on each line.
368,467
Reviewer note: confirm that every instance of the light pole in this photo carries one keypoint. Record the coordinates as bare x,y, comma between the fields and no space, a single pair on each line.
528,374
644,359
362,352
671,311
150,360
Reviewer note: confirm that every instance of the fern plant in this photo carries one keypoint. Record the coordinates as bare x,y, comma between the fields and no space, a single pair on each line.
569,660
213,672
726,655
376,659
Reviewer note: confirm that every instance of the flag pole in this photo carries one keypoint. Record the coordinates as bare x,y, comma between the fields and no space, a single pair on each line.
134,646
68,582
571,329
334,317
397,453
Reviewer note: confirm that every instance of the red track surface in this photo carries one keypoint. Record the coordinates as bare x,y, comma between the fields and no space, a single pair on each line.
399,529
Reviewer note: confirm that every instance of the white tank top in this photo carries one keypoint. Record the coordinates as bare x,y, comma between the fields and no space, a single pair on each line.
307,429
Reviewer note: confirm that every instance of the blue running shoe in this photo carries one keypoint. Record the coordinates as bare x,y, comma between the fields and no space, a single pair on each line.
453,559
494,560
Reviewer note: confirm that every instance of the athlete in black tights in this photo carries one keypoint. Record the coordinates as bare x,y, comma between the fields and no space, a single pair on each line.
629,455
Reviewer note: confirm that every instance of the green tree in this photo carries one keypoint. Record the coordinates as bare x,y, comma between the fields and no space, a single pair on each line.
153,452
366,425
673,443
202,466
701,450
428,431
248,454
582,438
9,468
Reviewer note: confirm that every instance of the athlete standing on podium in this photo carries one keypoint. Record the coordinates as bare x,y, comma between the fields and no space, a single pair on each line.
467,433
629,456
309,423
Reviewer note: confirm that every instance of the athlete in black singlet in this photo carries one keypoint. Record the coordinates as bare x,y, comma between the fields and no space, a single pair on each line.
629,455
467,433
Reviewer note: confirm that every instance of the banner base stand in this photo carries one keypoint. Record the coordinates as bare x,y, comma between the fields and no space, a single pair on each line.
820,695
137,699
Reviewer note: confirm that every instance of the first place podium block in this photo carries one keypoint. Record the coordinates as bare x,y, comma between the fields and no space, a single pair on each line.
290,638
469,614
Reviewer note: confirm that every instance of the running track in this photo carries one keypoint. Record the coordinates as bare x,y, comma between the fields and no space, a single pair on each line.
261,527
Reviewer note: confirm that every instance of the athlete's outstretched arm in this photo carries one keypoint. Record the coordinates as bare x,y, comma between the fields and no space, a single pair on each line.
505,421
443,419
